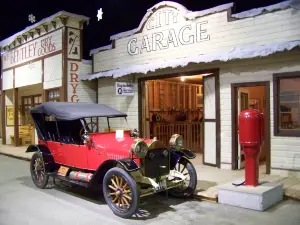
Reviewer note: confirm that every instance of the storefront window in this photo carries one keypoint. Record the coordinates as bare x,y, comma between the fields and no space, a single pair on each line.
53,95
287,104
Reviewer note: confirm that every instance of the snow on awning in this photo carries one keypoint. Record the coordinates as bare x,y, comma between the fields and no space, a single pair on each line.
232,54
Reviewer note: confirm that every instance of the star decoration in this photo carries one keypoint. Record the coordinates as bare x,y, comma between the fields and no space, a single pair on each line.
100,13
31,18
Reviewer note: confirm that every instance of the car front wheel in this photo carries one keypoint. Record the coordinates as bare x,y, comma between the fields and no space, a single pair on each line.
121,192
188,187
37,170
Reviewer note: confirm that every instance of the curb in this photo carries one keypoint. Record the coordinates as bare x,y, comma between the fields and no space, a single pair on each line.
14,156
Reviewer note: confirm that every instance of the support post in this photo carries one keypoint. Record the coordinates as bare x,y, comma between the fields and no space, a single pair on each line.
16,116
3,115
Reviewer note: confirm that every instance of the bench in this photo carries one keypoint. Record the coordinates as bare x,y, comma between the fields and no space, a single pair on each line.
26,135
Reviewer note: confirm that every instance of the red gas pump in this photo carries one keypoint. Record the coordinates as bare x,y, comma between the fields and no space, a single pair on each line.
250,135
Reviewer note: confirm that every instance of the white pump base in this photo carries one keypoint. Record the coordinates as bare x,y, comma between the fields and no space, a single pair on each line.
258,198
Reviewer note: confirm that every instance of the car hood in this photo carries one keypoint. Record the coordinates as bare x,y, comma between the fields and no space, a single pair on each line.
122,146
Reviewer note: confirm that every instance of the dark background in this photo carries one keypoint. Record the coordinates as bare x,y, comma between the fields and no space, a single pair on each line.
118,15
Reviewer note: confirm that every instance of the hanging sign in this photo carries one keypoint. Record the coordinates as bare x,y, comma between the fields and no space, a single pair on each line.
124,89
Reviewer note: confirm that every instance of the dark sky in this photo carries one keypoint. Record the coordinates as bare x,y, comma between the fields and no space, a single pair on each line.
118,16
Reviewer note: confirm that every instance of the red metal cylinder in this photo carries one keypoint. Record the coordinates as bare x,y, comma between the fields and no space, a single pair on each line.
250,136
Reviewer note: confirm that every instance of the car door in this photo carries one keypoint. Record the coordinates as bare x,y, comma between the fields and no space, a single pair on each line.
74,155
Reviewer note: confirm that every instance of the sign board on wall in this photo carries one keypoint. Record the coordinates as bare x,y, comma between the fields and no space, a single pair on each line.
167,28
33,49
10,116
74,44
73,81
124,89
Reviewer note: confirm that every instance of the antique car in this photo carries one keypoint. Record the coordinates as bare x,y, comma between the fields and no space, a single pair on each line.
72,149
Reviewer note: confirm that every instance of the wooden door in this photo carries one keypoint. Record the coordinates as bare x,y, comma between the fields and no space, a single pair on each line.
209,121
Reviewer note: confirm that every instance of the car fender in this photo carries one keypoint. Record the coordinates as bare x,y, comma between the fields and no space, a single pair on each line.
177,156
48,159
128,165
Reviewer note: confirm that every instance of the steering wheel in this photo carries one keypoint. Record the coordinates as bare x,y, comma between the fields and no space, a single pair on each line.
92,128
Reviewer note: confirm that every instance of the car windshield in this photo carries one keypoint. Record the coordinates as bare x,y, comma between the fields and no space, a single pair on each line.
105,124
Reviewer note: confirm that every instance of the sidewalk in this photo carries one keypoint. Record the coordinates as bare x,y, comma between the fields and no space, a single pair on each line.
209,178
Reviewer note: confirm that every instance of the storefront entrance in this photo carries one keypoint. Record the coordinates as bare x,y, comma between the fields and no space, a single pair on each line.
186,104
250,96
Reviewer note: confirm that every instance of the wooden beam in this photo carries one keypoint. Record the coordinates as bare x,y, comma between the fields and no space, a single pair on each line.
3,117
16,117
64,20
31,34
38,31
53,24
81,22
25,37
45,27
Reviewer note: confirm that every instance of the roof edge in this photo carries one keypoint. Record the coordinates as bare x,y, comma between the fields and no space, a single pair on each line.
9,40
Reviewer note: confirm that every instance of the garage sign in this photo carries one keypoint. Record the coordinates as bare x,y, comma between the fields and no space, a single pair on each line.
124,89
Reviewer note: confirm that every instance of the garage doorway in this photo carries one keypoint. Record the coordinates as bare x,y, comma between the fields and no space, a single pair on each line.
254,95
187,104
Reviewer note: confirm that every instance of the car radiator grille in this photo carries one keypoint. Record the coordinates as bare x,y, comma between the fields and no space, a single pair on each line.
155,164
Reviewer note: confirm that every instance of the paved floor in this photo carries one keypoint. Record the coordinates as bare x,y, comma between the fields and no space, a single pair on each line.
22,203
209,178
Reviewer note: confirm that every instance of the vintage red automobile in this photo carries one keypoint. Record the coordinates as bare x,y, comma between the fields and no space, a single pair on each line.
126,167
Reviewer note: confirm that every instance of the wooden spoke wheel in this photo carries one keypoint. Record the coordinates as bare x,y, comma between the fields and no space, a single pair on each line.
37,170
188,187
120,192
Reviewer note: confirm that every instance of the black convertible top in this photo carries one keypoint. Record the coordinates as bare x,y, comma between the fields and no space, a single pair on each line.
73,111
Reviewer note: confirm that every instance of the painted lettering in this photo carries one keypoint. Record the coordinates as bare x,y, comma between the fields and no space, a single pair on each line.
74,67
186,35
157,41
162,18
74,86
181,35
129,47
202,33
74,77
74,81
74,98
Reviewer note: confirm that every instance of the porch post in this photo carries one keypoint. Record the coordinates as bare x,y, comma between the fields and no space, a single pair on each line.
3,116
16,117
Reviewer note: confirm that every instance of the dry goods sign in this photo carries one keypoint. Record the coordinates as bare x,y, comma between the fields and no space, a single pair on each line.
124,89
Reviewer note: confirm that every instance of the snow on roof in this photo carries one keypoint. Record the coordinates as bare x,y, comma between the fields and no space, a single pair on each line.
10,39
86,61
182,10
271,8
234,53
96,50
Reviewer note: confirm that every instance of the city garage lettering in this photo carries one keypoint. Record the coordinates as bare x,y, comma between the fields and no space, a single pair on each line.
186,35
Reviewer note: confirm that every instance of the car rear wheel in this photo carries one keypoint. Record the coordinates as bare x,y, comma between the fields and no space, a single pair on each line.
120,192
188,187
37,170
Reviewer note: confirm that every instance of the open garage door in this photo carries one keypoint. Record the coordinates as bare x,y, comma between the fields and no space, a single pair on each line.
210,126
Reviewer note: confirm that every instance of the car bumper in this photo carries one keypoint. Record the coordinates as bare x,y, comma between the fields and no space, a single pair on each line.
172,180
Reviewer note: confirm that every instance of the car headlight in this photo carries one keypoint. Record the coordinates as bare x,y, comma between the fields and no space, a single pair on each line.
139,148
176,142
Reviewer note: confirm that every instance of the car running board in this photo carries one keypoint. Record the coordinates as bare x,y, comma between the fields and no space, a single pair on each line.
67,179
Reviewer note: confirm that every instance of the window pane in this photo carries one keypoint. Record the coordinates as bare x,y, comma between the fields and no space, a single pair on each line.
289,100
